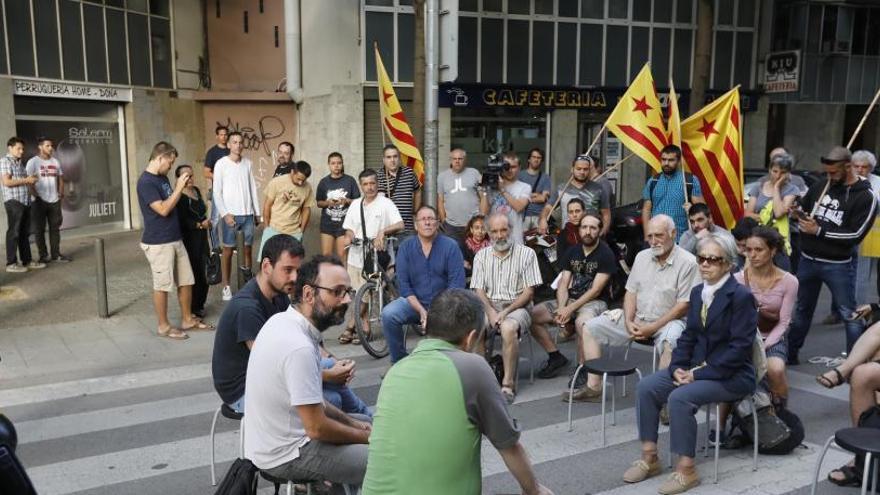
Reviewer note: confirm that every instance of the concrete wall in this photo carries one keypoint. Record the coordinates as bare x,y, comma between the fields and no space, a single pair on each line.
155,116
563,144
189,43
811,130
7,130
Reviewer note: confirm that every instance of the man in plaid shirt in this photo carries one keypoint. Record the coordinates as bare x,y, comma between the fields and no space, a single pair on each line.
17,188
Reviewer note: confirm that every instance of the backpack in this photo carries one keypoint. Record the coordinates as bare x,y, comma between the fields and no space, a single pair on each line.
12,474
688,181
241,479
780,431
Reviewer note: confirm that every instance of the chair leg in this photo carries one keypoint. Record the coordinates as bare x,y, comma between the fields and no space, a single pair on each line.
755,439
531,360
613,405
865,473
717,438
577,372
706,438
604,387
241,438
819,464
213,429
875,477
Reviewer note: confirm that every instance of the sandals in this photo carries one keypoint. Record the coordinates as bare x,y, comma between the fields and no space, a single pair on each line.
508,393
198,325
827,382
347,336
172,333
851,476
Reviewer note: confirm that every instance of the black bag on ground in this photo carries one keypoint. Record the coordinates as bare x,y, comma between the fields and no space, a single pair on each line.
241,479
780,431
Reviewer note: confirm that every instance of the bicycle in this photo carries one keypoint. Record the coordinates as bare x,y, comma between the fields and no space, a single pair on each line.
371,297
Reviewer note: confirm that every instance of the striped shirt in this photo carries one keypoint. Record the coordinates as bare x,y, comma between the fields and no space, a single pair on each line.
505,278
14,168
401,193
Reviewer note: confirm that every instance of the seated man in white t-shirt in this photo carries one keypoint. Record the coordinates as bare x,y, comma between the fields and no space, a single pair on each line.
290,431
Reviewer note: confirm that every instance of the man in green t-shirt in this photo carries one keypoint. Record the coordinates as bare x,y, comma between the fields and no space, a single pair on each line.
434,407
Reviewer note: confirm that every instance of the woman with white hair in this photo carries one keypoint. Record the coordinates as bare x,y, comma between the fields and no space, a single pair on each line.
863,163
711,363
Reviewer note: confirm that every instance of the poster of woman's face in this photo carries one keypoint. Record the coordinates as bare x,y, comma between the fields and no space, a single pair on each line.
88,153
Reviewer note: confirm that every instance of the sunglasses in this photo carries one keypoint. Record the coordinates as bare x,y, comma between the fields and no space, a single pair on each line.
339,291
712,260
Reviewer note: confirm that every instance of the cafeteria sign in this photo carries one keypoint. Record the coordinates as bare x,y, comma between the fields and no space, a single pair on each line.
781,71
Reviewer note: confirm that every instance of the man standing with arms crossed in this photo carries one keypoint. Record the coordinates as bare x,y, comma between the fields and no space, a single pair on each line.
457,198
17,187
235,197
534,176
47,200
400,185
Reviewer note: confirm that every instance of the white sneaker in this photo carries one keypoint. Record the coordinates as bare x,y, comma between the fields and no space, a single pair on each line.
36,265
227,293
16,268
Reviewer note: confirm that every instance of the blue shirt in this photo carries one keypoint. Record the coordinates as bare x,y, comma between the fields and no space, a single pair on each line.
426,277
157,229
668,198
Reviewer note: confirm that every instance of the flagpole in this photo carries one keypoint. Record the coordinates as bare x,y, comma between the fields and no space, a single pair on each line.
381,117
612,167
864,118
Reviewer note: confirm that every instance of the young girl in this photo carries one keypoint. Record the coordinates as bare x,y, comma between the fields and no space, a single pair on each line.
475,239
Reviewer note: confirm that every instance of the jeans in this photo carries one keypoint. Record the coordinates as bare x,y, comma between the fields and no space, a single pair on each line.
341,395
244,223
684,402
41,213
864,292
394,316
839,278
18,224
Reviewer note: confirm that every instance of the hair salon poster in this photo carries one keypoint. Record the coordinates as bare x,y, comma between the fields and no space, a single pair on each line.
89,156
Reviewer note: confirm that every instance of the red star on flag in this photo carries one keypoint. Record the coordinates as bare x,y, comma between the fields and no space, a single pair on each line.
708,129
642,106
386,95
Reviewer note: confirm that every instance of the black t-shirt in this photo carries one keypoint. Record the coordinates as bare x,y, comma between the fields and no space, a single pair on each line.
215,153
283,169
241,321
584,268
343,187
157,229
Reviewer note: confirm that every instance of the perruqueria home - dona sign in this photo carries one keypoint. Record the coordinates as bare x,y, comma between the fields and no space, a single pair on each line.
52,89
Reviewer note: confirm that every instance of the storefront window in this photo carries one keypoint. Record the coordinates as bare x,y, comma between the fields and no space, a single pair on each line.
482,132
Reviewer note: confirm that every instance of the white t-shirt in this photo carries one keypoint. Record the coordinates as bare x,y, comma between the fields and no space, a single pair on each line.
499,204
283,372
48,172
379,214
235,190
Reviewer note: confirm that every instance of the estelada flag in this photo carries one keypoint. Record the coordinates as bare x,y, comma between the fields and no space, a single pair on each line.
637,120
711,145
394,122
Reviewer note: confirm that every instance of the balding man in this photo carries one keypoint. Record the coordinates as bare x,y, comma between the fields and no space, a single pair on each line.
457,197
504,279
656,301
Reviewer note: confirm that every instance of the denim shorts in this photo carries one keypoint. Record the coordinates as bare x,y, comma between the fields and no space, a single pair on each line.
779,349
244,223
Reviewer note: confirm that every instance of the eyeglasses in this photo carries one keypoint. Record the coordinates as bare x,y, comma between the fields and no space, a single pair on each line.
712,260
339,291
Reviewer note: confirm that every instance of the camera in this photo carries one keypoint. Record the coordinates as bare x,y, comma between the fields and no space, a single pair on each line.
495,166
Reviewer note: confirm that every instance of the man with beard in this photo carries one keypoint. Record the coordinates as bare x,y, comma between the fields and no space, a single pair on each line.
534,176
842,216
244,316
657,298
290,431
510,198
581,291
427,264
504,279
284,159
412,452
702,226
591,193
665,194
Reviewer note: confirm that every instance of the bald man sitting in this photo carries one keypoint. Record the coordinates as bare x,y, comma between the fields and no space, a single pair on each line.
656,301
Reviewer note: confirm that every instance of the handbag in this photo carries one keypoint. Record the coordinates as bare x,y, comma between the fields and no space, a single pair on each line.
241,479
212,263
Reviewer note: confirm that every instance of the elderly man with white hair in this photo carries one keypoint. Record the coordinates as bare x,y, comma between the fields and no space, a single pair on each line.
655,303
863,163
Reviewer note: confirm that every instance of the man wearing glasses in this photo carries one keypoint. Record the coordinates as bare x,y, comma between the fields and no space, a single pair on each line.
291,432
657,298
427,264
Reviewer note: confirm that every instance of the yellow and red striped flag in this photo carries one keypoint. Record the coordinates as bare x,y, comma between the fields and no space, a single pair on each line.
394,123
711,142
637,120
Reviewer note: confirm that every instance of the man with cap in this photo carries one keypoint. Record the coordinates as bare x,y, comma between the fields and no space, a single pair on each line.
836,216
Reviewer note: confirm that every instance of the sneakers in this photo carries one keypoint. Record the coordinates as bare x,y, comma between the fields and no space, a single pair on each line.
61,259
583,394
552,366
36,265
678,483
227,293
580,381
16,268
723,442
641,470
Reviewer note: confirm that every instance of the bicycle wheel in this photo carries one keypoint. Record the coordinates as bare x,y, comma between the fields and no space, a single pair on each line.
368,320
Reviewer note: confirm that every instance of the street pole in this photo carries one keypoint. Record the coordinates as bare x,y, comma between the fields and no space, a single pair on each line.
432,126
101,279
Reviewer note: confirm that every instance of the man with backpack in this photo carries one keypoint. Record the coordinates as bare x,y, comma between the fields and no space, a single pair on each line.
665,194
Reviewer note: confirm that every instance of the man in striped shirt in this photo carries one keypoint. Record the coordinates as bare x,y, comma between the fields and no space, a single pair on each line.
400,185
504,279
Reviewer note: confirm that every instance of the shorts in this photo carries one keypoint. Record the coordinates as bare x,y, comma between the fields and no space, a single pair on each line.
269,233
588,311
521,316
244,223
333,230
778,350
169,262
357,278
607,331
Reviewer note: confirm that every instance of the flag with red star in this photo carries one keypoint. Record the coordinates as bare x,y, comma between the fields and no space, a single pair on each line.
394,123
711,145
637,120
